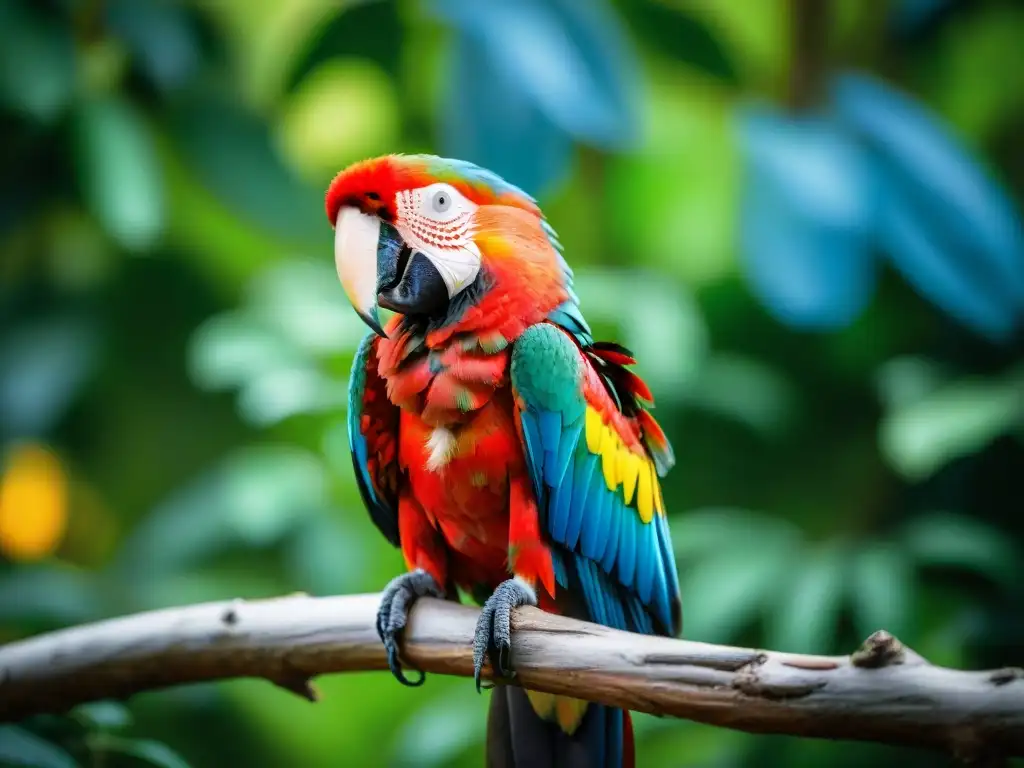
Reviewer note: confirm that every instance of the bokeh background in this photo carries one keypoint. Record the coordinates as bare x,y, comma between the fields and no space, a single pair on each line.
804,217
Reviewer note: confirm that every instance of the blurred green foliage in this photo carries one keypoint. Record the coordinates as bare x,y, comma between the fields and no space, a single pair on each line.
172,330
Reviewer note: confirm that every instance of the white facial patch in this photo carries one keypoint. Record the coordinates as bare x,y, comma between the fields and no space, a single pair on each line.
437,220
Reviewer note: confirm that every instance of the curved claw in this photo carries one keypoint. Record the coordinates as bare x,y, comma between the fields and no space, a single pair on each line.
494,629
393,614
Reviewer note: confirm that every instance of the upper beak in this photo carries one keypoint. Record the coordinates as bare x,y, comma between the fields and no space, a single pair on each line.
377,269
356,236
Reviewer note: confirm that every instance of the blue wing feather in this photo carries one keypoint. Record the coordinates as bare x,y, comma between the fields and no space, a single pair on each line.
646,558
566,448
592,541
618,561
627,545
611,547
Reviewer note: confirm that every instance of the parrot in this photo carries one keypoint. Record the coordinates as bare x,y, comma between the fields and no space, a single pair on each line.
501,448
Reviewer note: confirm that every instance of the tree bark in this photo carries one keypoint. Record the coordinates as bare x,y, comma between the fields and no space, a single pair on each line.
883,692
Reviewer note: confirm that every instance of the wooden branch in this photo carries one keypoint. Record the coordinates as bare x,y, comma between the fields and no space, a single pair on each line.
883,692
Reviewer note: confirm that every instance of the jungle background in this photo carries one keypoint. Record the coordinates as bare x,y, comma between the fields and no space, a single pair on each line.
803,217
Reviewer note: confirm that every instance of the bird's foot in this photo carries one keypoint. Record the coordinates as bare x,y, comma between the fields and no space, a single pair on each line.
398,597
494,630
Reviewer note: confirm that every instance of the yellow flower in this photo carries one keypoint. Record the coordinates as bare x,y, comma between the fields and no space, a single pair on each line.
33,503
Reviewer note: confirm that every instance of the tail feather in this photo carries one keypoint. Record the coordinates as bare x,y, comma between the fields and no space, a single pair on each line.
518,738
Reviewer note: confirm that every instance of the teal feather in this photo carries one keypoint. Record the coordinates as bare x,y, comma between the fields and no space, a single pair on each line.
646,547
534,453
583,490
627,544
556,469
611,547
596,525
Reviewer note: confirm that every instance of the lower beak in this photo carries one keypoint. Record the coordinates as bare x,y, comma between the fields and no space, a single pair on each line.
356,236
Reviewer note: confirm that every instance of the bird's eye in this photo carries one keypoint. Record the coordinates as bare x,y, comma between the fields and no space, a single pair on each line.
441,201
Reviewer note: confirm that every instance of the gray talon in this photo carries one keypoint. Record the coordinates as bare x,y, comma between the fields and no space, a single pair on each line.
494,630
393,614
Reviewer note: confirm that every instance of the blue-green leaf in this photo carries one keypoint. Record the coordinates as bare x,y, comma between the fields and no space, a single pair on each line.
488,120
42,368
569,58
119,172
806,218
905,380
37,62
881,590
943,539
161,36
104,715
19,747
50,594
229,148
726,592
151,752
953,421
745,390
710,530
805,615
950,229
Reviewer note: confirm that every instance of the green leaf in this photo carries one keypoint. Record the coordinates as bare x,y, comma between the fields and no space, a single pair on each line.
881,590
277,395
151,752
747,391
104,715
440,730
673,205
233,348
726,592
302,300
325,557
754,35
19,747
119,172
986,40
335,448
344,111
253,498
231,150
366,31
903,381
953,421
37,63
948,540
709,530
805,613
681,36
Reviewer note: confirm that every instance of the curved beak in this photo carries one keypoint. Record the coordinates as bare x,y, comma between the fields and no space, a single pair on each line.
377,269
356,235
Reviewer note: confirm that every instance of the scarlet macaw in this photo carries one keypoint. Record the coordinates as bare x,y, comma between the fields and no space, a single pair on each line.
495,442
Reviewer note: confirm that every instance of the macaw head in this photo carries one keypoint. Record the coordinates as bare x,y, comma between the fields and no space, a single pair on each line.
414,233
